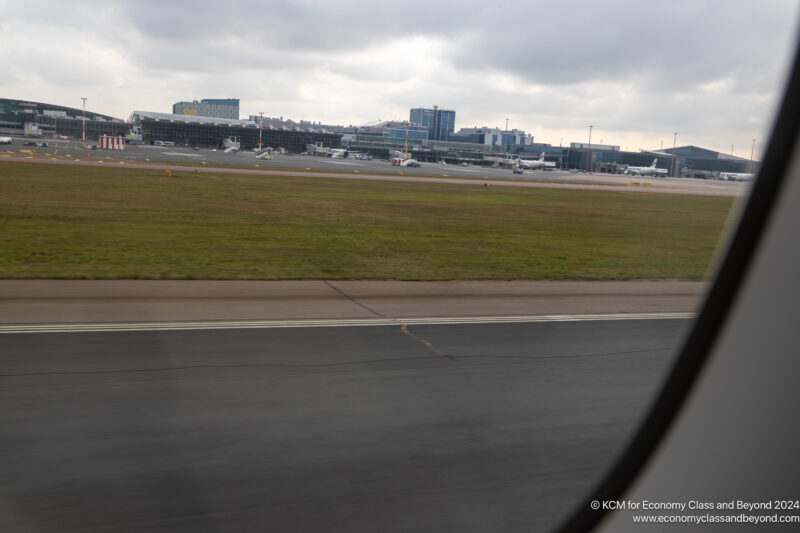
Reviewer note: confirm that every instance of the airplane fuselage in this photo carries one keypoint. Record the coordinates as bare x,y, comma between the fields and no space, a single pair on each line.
652,170
533,164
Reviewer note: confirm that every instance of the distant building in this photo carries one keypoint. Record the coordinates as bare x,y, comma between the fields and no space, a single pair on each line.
395,130
594,146
485,136
464,136
492,137
209,107
38,119
190,130
440,123
425,118
693,159
516,138
701,153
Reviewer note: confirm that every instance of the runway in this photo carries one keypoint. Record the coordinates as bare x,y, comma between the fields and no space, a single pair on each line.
459,427
205,160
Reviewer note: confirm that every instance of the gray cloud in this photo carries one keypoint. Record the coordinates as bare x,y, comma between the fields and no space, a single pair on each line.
709,67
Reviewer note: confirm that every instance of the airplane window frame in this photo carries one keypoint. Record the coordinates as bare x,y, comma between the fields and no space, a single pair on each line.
713,314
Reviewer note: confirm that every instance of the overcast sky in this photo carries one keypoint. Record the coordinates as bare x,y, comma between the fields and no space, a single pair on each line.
638,71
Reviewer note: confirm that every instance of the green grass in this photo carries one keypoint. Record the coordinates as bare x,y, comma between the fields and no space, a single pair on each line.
104,223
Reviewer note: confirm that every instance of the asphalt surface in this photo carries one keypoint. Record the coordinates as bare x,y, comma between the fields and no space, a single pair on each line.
206,160
102,301
493,427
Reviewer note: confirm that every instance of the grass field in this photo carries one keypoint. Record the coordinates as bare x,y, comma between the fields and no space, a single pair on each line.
80,222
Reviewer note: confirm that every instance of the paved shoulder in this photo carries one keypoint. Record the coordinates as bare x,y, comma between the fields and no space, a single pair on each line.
137,301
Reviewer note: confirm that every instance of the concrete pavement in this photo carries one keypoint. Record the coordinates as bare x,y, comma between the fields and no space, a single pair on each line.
93,301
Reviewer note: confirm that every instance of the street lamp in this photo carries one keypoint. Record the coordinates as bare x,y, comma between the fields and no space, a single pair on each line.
260,126
589,162
752,149
83,137
674,140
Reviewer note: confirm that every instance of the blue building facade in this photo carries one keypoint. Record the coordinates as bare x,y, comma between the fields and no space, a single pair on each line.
445,124
440,123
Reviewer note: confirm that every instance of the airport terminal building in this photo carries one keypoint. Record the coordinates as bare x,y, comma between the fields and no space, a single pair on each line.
37,119
209,132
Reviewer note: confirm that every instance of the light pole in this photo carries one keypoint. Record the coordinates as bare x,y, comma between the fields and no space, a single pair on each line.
752,149
260,126
731,150
83,137
589,162
674,140
505,145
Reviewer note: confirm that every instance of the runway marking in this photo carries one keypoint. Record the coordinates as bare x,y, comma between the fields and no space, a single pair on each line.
183,154
328,323
465,170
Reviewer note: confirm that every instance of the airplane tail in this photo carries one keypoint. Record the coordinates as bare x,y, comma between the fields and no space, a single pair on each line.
653,164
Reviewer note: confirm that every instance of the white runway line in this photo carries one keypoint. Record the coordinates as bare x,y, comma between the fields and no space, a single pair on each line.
183,154
328,323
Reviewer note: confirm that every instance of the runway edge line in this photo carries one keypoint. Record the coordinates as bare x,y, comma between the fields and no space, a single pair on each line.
327,323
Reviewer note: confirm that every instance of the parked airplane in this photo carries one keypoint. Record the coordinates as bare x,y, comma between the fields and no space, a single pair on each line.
229,143
646,171
405,162
535,163
403,159
736,176
339,153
